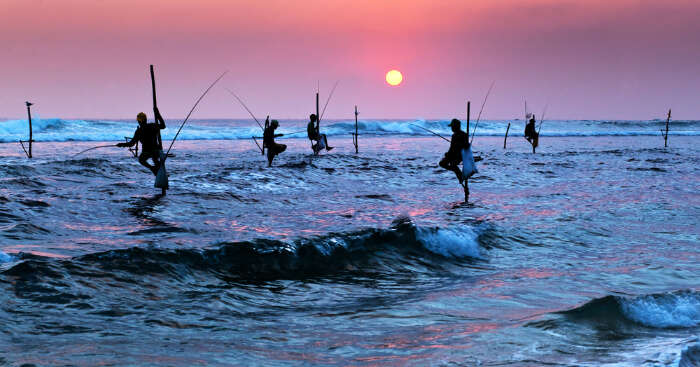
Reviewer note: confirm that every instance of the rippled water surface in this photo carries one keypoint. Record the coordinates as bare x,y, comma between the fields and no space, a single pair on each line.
585,253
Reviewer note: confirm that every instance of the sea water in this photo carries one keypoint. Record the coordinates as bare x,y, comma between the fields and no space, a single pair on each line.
585,253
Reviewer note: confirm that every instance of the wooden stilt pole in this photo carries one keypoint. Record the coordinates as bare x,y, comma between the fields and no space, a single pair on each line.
318,126
161,159
356,137
31,139
469,105
506,138
668,119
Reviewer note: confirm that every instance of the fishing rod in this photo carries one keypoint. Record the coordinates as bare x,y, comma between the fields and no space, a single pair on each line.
93,148
192,110
328,100
246,107
526,110
480,111
542,118
296,132
432,132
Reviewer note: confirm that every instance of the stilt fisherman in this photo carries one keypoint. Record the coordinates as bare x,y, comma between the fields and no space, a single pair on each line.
453,157
531,133
312,130
147,134
273,149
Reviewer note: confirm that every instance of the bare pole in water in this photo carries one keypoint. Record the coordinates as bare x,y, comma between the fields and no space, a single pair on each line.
506,138
668,119
356,136
31,139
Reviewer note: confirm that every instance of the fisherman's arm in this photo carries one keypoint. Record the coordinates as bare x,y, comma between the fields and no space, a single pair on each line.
159,119
131,142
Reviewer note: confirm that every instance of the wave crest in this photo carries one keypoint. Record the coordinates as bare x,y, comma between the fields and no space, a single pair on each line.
679,309
106,130
404,248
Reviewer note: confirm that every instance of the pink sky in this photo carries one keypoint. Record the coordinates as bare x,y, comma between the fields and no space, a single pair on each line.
619,59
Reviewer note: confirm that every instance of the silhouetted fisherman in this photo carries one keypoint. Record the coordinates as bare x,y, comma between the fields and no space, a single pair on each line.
269,136
531,133
312,129
147,134
453,157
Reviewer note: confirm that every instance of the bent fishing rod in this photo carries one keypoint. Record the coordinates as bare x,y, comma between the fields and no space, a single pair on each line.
262,149
328,100
190,113
93,148
246,107
480,111
432,132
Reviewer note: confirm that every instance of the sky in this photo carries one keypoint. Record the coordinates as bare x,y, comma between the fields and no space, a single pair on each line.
585,59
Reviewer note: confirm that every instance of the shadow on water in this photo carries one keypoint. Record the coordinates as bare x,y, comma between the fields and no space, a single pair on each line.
144,208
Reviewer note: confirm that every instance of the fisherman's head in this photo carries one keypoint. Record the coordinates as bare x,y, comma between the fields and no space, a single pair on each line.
455,124
313,117
275,124
141,118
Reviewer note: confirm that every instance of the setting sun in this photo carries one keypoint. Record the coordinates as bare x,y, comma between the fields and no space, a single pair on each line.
394,77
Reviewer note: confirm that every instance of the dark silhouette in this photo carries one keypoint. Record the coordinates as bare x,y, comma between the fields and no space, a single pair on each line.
147,134
530,133
453,157
269,136
312,129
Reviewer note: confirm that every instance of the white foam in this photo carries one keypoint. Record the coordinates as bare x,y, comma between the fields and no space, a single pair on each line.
690,356
5,258
447,242
106,130
664,311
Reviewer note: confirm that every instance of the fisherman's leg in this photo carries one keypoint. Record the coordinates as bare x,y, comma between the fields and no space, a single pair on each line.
325,142
455,168
316,146
270,155
143,159
156,160
466,190
444,163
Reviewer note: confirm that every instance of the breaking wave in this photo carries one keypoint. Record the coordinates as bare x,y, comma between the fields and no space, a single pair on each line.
667,310
404,248
117,130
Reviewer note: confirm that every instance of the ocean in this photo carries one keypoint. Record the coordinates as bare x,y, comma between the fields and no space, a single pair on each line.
583,254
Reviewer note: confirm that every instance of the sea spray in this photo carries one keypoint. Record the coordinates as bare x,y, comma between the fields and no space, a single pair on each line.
679,309
450,242
108,130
